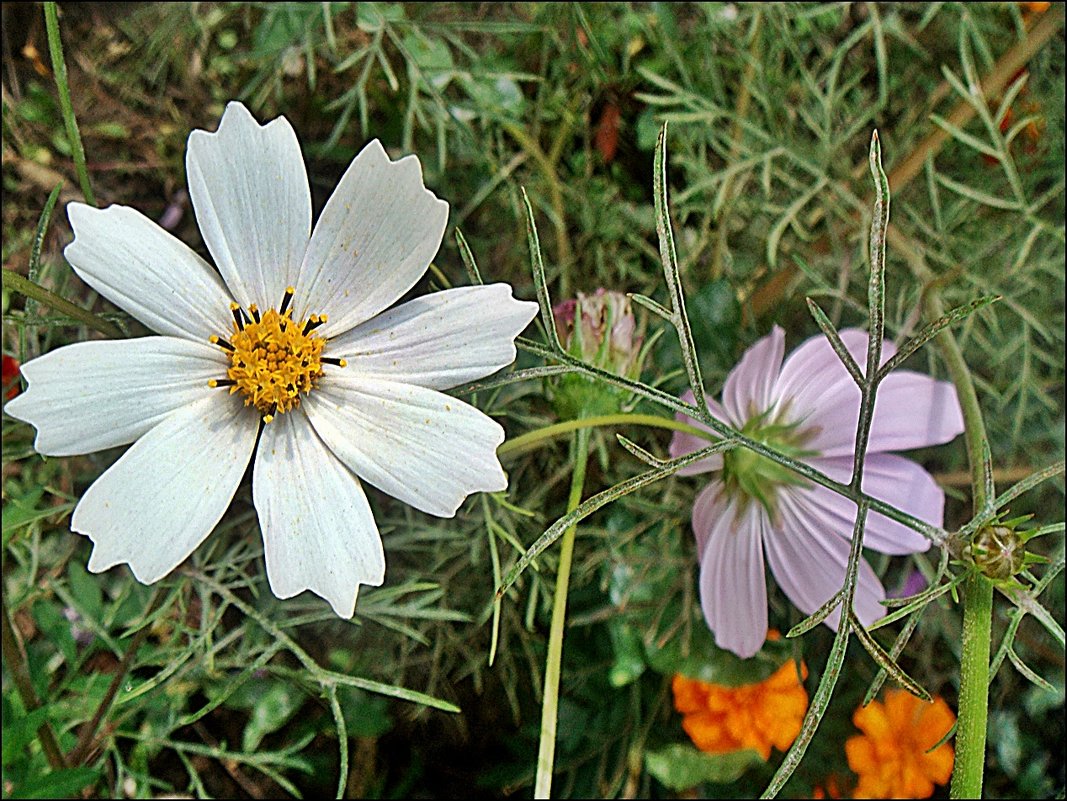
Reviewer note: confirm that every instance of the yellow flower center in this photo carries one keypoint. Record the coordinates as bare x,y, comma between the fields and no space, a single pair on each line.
273,358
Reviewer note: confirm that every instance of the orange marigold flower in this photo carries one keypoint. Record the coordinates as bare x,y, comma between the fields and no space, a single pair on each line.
891,756
831,788
721,719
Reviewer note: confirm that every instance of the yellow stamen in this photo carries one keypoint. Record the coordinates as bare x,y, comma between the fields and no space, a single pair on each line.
272,360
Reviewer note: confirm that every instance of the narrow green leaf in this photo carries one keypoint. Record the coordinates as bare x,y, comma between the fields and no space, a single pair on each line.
886,662
932,330
468,259
1025,669
816,617
651,305
835,342
59,68
669,258
540,280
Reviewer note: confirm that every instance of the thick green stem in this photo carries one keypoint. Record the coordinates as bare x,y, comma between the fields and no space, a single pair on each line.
550,701
968,770
974,688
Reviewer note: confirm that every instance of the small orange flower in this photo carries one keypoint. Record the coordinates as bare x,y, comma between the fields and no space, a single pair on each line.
721,719
890,757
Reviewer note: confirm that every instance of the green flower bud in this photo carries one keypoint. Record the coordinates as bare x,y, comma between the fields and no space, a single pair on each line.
998,551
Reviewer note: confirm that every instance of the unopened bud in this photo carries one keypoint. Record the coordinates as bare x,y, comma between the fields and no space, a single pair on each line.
600,329
999,551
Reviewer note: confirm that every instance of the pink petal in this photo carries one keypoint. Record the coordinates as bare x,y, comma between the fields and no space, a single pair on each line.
733,590
889,478
750,385
708,507
911,410
808,560
683,443
813,376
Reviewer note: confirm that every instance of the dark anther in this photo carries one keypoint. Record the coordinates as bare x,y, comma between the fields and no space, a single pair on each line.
285,302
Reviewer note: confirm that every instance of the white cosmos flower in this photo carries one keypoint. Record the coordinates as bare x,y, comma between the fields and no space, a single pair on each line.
289,360
808,406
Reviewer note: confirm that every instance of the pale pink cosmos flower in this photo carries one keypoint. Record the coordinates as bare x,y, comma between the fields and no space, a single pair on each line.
808,407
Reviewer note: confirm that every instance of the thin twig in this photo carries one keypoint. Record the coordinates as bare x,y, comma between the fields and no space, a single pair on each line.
15,659
80,753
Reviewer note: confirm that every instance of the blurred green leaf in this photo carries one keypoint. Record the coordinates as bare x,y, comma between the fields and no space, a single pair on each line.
56,628
700,658
629,654
85,589
366,715
21,731
680,766
56,784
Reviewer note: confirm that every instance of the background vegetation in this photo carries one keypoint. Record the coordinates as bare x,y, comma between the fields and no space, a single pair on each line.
207,685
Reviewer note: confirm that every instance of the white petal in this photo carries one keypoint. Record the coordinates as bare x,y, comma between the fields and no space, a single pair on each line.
377,235
425,448
887,477
439,340
94,395
733,590
141,268
156,504
252,201
808,560
318,530
749,386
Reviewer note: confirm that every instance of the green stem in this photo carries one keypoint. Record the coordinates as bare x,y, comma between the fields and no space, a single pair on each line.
968,770
550,701
531,439
59,67
26,287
